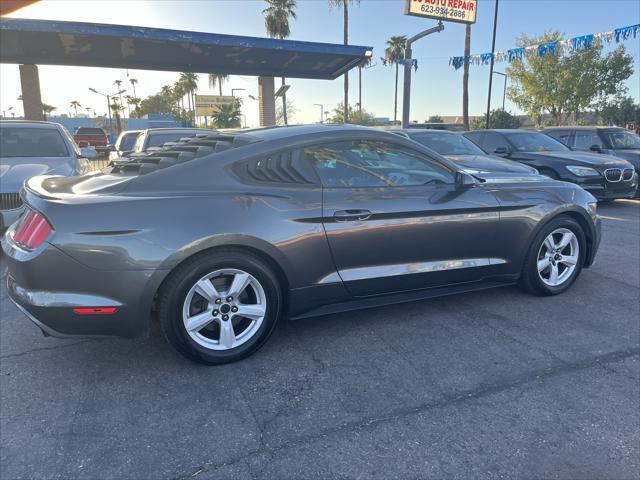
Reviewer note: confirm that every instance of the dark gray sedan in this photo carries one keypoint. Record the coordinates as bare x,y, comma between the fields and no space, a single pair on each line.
224,235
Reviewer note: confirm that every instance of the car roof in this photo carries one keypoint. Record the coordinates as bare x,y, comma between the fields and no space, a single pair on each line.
177,129
424,131
290,131
583,127
29,123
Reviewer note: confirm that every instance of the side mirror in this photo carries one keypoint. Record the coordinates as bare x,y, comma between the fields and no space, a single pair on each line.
88,153
502,151
595,148
464,180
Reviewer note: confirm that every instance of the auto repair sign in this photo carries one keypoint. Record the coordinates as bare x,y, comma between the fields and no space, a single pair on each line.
462,11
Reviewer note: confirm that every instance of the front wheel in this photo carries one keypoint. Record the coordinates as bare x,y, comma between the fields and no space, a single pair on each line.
220,307
555,257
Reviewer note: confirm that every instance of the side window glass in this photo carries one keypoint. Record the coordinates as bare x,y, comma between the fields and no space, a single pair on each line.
475,138
374,164
563,136
585,140
492,141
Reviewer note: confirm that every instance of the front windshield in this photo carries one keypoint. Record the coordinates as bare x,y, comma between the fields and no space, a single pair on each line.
448,143
622,139
535,142
16,142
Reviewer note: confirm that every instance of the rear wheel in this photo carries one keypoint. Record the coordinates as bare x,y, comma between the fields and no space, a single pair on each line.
555,257
220,307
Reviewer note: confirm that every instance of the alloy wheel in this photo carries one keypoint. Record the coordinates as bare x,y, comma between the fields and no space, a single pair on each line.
224,309
558,256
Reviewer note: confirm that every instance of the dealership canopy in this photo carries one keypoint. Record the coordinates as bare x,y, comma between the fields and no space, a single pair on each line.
46,42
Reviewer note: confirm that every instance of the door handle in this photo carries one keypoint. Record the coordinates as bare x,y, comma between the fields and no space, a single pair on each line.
347,215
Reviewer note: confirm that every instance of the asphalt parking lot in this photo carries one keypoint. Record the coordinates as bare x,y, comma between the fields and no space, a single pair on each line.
486,384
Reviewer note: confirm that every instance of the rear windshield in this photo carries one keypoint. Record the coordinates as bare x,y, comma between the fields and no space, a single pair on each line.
157,139
448,143
127,141
31,142
89,131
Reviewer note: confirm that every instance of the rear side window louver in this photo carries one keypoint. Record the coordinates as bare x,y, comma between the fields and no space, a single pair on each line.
182,151
285,167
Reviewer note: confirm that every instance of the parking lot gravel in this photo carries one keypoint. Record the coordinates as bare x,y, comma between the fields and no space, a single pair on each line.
487,384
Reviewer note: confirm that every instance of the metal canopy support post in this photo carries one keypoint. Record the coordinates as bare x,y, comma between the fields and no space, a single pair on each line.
267,101
493,49
31,100
406,94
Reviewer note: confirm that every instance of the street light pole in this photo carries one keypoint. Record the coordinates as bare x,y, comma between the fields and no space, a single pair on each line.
406,94
493,49
321,111
108,107
504,90
4,112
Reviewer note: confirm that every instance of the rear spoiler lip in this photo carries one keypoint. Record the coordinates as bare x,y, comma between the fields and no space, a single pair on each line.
30,186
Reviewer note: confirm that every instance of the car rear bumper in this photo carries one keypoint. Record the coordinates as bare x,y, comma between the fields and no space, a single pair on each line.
47,285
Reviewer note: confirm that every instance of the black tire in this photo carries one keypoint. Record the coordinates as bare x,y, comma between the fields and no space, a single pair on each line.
174,292
530,279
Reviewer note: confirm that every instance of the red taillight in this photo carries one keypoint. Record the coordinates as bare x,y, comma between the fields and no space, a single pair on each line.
95,310
32,230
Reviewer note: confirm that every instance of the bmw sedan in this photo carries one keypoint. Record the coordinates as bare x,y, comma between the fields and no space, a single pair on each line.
224,235
34,148
459,149
604,176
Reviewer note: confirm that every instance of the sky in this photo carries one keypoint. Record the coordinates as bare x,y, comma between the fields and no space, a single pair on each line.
436,87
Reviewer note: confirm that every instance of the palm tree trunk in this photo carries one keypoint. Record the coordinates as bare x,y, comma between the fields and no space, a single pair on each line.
360,89
284,106
465,78
395,98
345,5
220,86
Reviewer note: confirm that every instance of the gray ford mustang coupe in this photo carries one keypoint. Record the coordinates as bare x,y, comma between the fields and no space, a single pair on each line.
225,234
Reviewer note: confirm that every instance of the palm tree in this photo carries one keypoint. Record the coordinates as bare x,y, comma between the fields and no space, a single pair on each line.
133,82
345,9
276,21
136,104
88,109
217,79
118,84
364,64
465,77
392,56
47,109
75,104
228,115
179,92
189,82
116,109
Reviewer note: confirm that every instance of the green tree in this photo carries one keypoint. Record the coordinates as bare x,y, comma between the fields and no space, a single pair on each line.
355,116
564,84
435,119
498,119
47,109
218,79
75,104
228,115
189,82
620,110
345,30
276,22
465,77
392,56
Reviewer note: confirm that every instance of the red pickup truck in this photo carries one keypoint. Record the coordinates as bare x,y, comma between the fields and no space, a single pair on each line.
92,137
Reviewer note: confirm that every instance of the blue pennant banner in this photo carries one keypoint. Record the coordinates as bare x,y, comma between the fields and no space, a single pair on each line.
548,48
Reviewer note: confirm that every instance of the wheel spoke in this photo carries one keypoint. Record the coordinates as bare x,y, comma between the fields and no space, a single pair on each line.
206,289
253,312
227,335
571,260
564,241
543,264
240,282
549,243
199,321
553,277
